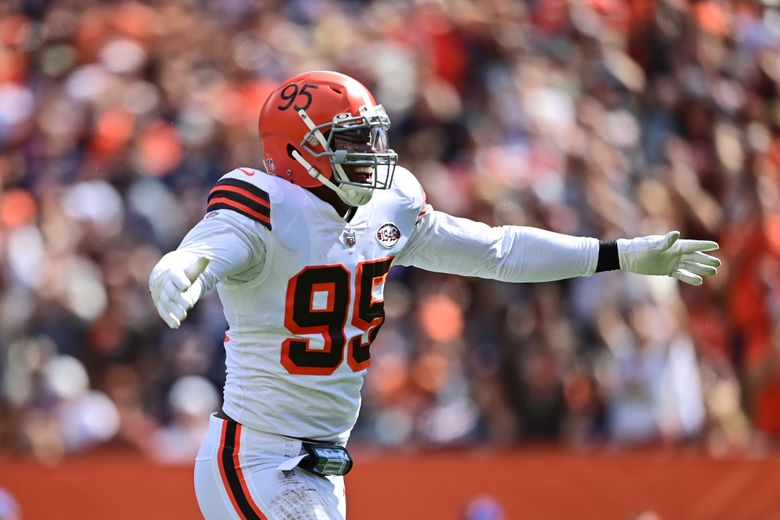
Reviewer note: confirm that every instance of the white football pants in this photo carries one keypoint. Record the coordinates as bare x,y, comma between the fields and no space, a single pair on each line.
237,476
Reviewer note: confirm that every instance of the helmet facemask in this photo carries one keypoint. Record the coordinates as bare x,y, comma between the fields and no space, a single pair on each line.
357,143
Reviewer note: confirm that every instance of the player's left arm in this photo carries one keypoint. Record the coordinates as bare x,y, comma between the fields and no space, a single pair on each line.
225,245
443,243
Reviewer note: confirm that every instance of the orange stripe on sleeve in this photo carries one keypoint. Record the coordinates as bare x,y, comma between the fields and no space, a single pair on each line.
241,208
240,191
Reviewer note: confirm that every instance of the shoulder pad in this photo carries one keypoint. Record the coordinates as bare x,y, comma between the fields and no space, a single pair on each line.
406,185
266,182
245,191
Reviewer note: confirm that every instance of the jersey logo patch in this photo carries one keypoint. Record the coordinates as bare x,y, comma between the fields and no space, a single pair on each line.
349,237
388,235
241,197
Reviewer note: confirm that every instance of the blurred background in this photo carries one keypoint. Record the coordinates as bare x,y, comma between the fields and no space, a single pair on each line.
606,118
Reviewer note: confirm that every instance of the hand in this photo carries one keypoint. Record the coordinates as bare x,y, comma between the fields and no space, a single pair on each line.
175,290
666,255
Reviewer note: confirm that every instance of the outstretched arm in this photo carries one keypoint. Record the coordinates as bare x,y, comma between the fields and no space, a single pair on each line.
455,245
448,244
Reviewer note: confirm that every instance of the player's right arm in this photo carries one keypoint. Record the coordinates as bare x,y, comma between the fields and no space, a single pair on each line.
448,244
224,244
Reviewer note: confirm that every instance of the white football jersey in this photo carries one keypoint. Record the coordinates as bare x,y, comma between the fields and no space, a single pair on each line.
302,289
299,331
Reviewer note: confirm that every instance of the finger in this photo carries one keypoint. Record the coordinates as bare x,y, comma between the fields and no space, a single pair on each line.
180,301
688,277
170,290
172,322
179,280
197,267
191,296
174,307
169,318
155,286
697,268
181,314
693,246
176,299
669,240
156,292
177,312
702,258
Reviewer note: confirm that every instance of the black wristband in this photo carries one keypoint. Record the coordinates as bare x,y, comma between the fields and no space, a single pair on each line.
608,256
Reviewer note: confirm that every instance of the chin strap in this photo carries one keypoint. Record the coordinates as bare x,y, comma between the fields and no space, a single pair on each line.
353,196
337,169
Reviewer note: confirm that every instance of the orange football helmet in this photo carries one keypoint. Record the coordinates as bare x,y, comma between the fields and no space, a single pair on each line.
317,123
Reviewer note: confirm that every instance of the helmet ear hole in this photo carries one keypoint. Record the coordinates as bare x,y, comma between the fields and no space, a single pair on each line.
290,150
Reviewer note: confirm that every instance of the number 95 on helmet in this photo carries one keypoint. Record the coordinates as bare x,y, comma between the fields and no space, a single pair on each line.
325,128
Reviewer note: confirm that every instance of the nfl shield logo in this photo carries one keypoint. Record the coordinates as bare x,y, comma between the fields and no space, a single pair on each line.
349,238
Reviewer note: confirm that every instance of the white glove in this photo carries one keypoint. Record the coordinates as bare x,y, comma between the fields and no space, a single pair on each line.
175,289
666,255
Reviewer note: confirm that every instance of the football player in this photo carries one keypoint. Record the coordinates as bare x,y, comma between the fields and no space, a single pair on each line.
299,254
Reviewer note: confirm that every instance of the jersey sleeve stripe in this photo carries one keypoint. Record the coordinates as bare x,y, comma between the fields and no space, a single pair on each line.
225,203
247,186
228,191
242,199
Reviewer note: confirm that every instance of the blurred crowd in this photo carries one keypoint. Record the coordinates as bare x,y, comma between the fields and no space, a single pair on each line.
606,118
